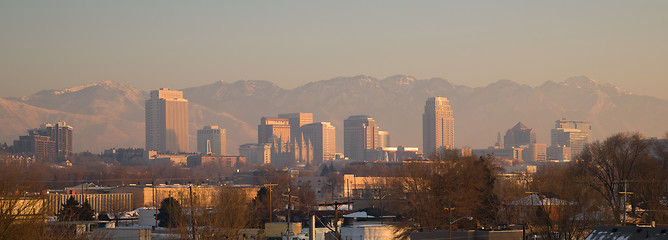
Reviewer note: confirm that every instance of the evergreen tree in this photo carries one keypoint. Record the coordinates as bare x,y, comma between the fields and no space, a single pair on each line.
70,210
260,206
169,213
86,212
104,216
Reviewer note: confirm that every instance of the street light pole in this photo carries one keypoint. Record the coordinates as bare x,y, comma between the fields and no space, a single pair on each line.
449,208
381,203
450,227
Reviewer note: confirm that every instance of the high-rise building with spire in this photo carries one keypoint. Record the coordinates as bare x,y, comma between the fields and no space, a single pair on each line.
167,122
300,151
438,125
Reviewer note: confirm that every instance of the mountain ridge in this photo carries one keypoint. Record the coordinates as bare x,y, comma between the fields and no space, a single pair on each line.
116,111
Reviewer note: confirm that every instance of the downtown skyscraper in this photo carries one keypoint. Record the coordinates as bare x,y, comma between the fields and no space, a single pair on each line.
211,140
320,139
360,137
519,135
573,134
438,125
167,122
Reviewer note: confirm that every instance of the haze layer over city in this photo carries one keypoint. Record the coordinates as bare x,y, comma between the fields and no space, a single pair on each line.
278,120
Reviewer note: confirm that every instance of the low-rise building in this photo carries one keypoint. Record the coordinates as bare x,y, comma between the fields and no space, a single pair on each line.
397,154
99,202
226,161
22,208
151,195
256,153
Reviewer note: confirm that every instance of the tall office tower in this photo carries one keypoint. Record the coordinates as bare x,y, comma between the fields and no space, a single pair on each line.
211,140
383,139
167,122
321,137
438,125
297,120
519,135
61,134
360,137
571,133
275,131
583,126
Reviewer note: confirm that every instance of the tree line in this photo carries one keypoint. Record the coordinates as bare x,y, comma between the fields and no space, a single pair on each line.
620,180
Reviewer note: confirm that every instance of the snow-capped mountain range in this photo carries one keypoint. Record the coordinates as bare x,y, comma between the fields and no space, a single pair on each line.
110,114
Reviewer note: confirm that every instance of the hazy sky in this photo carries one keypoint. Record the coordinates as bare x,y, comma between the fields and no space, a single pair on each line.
177,44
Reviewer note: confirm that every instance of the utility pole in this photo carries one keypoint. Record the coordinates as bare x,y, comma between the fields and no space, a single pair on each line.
287,220
269,185
154,204
311,231
192,213
336,205
625,192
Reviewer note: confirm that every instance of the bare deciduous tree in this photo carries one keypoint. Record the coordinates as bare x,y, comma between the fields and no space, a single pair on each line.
566,209
22,213
431,194
611,164
226,219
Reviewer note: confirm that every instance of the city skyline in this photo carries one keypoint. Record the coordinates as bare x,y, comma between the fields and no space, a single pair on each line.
107,102
219,119
289,43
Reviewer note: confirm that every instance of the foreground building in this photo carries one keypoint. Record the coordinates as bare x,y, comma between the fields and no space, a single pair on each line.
99,202
151,195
